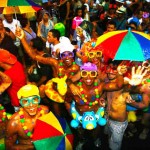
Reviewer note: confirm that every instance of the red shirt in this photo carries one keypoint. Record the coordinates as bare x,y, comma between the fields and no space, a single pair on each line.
18,77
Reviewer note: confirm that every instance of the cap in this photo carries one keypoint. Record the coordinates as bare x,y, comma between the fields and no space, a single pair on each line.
65,45
7,57
121,10
27,91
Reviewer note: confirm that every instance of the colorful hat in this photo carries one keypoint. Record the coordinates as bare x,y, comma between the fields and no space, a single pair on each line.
61,28
89,67
65,45
27,91
7,57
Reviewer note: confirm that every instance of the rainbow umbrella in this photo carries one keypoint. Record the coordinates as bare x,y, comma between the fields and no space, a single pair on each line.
125,45
18,6
52,133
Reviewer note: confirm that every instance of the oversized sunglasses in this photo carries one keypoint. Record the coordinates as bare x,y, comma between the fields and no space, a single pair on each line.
85,73
95,54
111,71
66,54
32,99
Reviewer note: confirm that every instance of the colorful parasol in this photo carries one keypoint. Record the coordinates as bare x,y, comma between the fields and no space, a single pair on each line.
52,133
18,6
125,45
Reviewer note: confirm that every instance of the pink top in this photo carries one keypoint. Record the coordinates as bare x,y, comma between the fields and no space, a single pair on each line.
76,22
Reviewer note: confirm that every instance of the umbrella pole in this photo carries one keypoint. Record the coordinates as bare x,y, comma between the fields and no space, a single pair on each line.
16,16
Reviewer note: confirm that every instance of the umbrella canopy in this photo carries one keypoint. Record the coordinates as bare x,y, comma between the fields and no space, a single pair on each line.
52,133
125,45
18,6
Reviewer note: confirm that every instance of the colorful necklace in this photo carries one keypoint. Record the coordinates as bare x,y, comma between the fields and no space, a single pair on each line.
61,68
84,100
4,114
22,121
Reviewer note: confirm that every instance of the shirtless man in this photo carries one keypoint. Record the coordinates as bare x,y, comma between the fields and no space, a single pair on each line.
116,106
21,125
62,67
90,93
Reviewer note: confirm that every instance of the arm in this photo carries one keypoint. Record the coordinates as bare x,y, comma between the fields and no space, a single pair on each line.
5,82
140,105
68,10
32,54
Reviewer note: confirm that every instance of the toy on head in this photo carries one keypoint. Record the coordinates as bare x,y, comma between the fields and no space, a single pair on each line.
61,28
89,67
89,120
61,88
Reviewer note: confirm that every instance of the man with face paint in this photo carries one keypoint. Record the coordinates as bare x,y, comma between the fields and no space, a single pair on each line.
61,67
21,125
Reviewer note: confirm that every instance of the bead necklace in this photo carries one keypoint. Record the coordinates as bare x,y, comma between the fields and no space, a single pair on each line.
4,114
22,121
84,100
61,68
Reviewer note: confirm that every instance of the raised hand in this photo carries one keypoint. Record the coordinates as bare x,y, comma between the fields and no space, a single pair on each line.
19,33
136,76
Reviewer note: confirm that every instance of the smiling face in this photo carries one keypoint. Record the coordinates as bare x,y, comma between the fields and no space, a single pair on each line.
88,77
67,57
30,104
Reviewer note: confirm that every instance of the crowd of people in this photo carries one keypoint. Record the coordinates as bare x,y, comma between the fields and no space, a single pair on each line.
49,62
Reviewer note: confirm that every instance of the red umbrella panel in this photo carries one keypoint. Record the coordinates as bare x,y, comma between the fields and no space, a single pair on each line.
125,45
52,133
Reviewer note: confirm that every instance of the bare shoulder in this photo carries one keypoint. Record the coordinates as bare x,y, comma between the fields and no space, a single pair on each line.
45,109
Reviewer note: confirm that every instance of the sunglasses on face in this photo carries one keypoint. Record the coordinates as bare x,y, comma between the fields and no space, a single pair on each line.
67,54
85,73
95,54
111,71
27,100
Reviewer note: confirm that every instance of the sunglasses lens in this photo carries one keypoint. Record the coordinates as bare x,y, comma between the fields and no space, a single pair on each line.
70,54
25,102
35,100
91,54
84,73
99,54
63,55
93,73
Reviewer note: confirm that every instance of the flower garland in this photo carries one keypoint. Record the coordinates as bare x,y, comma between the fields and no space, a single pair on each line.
84,100
22,121
61,68
4,114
